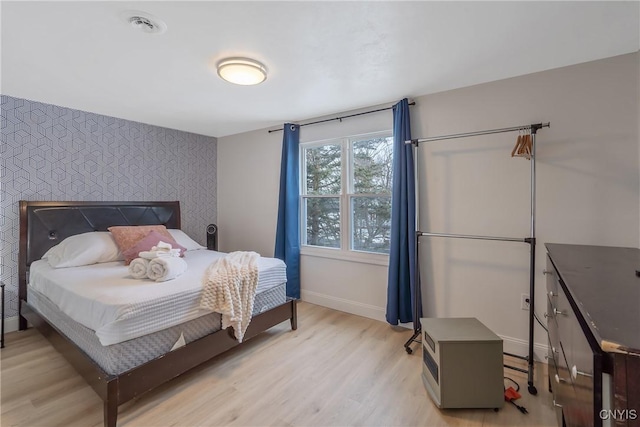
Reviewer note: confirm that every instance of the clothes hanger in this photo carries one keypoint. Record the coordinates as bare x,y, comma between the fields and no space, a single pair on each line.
522,151
527,146
523,146
516,149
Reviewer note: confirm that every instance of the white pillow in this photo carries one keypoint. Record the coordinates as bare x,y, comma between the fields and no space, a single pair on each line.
84,249
183,239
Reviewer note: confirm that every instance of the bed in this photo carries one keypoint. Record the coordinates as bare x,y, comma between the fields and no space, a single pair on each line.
122,360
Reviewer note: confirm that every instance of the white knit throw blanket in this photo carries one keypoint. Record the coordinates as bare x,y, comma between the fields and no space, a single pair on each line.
229,287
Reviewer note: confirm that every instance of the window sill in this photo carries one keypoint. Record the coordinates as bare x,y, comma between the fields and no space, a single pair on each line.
352,256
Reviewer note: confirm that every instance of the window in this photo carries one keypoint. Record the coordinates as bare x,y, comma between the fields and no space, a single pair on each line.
346,193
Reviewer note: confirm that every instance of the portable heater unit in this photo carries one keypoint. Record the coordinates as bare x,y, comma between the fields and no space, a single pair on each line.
462,363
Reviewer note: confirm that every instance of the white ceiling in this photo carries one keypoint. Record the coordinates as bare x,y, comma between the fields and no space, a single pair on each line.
323,57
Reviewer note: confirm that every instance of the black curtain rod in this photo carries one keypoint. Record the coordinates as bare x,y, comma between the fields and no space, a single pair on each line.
342,117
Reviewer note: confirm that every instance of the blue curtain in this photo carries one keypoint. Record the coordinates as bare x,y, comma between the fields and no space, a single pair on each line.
288,228
402,261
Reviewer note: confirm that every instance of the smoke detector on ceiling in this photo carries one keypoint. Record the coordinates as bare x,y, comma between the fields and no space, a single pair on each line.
144,22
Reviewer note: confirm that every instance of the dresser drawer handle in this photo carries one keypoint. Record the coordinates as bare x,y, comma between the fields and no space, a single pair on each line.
547,272
575,372
556,312
560,380
551,294
557,405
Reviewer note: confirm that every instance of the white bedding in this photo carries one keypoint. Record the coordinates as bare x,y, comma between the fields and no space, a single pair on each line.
105,298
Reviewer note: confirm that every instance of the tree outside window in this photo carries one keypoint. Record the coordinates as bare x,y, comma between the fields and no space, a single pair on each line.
346,193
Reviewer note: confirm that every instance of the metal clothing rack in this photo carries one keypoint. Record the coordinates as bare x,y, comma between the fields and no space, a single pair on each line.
531,240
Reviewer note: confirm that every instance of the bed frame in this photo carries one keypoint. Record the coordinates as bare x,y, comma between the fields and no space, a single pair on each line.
45,224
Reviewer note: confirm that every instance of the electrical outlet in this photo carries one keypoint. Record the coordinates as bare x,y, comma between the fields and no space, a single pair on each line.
524,301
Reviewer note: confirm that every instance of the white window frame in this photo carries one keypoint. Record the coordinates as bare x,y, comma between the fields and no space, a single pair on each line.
344,252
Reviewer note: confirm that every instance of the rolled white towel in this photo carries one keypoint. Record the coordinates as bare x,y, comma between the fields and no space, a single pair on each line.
162,246
138,268
157,254
161,249
165,268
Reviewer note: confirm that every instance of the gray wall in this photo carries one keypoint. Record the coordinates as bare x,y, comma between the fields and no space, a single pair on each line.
588,184
588,192
56,153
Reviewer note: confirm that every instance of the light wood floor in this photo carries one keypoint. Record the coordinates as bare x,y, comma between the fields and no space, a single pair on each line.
335,370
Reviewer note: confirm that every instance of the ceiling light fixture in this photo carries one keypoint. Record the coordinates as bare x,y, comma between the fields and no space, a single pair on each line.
242,71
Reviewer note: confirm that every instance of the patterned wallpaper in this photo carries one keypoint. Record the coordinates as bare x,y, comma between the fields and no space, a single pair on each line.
55,153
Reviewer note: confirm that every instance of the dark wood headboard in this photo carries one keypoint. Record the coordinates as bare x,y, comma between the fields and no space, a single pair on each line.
45,224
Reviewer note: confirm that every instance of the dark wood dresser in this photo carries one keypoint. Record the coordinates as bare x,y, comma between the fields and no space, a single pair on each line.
593,317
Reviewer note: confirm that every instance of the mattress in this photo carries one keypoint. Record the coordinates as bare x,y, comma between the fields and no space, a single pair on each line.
121,357
106,299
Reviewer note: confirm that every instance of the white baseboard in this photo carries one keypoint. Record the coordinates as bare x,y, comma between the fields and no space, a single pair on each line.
521,347
510,344
11,324
341,304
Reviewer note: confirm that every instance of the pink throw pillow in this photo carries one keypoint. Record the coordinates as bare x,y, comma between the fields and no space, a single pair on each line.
128,235
152,239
